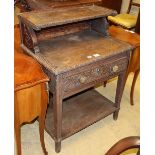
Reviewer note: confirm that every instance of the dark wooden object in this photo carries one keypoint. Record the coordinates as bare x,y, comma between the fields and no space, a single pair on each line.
134,65
80,111
125,144
30,5
58,22
112,4
76,62
137,29
31,96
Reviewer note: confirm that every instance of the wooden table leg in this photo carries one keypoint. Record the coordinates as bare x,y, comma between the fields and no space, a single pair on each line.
44,102
17,128
133,86
119,93
18,138
57,107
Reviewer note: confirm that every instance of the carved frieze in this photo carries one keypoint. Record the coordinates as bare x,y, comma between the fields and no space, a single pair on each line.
89,75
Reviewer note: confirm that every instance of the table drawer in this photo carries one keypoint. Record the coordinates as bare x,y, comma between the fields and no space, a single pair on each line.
93,74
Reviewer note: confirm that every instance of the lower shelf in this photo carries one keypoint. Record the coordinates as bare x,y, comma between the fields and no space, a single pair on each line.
79,112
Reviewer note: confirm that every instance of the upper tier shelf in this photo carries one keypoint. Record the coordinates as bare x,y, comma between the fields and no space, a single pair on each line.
55,17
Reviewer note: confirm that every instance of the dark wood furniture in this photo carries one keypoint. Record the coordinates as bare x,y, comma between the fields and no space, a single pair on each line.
31,96
125,144
112,4
77,55
29,5
134,65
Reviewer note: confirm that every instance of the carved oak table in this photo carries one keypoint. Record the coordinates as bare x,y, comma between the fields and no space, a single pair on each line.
77,53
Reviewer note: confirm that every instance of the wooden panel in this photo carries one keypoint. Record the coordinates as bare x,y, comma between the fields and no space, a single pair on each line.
50,33
79,112
87,46
56,17
112,4
29,103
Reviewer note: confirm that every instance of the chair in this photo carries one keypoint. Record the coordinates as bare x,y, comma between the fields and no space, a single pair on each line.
30,94
125,144
126,20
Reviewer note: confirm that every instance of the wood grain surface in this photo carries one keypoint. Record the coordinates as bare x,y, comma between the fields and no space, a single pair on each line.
55,17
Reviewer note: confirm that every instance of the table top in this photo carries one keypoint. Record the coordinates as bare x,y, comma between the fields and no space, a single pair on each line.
70,51
55,17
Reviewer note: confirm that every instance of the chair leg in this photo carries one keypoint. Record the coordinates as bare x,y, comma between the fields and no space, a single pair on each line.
57,147
133,86
18,138
42,119
17,126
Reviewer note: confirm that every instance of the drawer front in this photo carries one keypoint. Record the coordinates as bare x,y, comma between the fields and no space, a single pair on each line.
94,74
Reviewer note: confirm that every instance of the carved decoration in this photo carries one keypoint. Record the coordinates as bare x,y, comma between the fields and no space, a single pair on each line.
27,39
91,75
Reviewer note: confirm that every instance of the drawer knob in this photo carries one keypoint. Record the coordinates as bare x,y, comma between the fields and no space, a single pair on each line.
115,68
97,71
83,79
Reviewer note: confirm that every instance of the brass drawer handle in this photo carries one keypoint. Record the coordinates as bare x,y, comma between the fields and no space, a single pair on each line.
83,79
115,68
98,71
